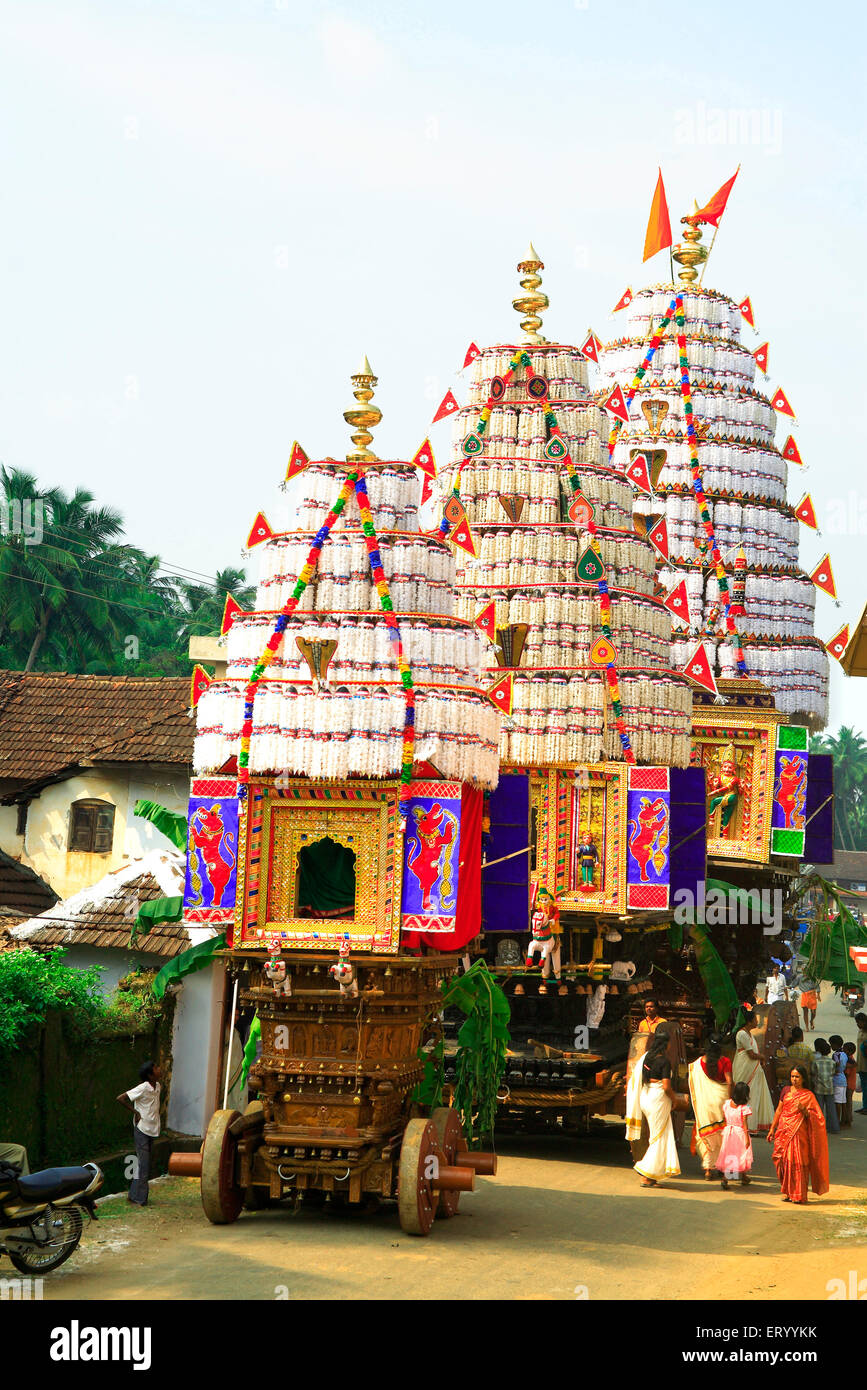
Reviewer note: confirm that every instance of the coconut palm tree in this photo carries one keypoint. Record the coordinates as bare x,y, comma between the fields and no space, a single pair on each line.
53,576
204,603
848,750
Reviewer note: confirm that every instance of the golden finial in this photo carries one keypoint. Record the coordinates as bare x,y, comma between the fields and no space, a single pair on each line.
688,252
534,301
365,416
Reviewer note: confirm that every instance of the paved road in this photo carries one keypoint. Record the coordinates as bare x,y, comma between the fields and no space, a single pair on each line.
562,1216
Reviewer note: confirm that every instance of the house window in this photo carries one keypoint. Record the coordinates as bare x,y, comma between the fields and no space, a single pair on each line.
91,827
21,819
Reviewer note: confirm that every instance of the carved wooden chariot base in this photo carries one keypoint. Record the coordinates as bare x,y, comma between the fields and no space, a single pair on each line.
335,1116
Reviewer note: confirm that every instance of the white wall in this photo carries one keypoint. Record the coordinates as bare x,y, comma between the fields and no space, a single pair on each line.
196,1050
44,846
114,963
195,1031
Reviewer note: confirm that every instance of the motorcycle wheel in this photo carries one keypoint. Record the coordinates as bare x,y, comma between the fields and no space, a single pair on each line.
64,1241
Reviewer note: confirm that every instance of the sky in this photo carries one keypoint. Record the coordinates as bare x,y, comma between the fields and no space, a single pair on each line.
211,210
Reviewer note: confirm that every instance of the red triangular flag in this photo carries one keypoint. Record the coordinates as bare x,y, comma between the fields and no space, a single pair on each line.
486,621
677,601
460,531
658,537
806,512
658,234
260,531
501,693
823,577
638,473
837,645
426,490
791,452
472,353
698,668
625,298
780,402
761,356
591,347
713,210
615,404
746,309
448,407
230,613
298,460
424,459
198,685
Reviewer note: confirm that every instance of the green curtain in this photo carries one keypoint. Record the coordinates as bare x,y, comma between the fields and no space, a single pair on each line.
169,823
187,963
326,881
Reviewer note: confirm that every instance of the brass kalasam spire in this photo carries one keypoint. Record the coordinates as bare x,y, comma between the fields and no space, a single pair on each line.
688,252
534,301
365,417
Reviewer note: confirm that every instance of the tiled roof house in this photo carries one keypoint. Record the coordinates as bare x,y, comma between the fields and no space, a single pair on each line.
76,753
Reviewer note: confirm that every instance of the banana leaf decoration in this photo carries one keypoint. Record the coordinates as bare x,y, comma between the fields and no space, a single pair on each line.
170,823
250,1050
827,943
197,957
715,976
483,1041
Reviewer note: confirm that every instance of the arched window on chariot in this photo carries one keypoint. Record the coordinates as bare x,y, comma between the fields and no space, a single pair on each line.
325,882
91,827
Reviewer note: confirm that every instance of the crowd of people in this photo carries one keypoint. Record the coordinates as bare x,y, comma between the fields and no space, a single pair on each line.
732,1105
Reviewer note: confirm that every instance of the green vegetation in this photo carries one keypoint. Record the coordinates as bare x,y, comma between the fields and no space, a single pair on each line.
849,752
75,596
33,982
483,1040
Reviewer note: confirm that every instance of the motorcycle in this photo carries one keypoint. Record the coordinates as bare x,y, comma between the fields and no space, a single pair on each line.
853,998
42,1214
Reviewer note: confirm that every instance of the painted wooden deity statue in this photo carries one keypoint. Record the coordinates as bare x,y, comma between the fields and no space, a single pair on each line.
545,934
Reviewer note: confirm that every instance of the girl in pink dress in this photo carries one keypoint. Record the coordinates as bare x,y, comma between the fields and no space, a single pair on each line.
736,1151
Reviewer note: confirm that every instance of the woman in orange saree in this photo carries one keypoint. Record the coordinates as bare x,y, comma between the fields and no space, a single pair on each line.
800,1141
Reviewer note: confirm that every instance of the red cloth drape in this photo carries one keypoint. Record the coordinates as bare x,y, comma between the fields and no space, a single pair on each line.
468,916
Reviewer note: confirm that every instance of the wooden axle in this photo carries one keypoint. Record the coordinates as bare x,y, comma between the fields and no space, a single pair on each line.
485,1165
185,1165
450,1178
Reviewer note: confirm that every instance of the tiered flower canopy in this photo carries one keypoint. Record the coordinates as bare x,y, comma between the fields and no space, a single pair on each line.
354,662
577,618
744,480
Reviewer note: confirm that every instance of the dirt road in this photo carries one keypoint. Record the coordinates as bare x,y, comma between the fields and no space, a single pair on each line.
563,1219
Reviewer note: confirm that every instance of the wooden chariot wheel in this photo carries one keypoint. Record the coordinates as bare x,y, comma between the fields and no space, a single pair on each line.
222,1198
450,1132
416,1199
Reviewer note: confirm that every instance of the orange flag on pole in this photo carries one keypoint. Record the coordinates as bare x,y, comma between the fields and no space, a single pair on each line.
658,235
713,211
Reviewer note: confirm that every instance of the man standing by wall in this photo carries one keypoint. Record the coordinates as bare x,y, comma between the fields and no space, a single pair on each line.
144,1101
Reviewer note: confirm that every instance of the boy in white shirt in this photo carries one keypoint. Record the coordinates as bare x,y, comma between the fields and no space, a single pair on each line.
144,1101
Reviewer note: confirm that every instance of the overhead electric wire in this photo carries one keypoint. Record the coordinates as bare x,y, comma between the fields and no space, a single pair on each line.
112,603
